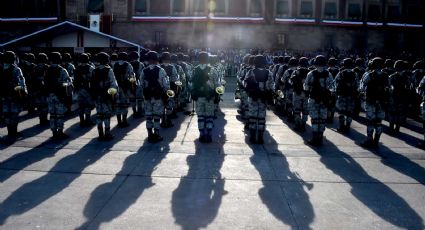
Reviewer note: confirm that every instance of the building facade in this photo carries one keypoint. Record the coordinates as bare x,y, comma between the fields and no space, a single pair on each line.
382,25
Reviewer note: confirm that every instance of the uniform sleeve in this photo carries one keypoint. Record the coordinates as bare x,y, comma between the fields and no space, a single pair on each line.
130,71
329,82
308,80
163,78
363,82
421,88
270,82
334,83
20,78
112,81
65,76
279,73
174,76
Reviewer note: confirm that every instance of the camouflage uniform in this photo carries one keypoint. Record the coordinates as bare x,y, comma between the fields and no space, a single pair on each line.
399,86
288,90
155,83
56,80
258,83
170,102
123,72
345,87
137,101
39,91
102,80
374,87
83,76
204,82
244,96
299,98
10,96
27,68
318,84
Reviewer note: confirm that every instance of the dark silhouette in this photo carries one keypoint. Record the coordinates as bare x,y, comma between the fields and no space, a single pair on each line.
196,201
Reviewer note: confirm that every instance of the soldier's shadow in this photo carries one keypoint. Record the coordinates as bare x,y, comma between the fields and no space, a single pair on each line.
41,189
282,188
128,185
196,200
46,149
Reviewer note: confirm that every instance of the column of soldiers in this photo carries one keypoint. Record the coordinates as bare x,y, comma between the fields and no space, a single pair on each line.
158,86
299,88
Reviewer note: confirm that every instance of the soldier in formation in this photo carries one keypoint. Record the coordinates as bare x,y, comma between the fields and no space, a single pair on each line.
82,87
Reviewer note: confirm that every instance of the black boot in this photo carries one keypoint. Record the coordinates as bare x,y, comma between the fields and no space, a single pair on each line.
314,139
151,138
376,140
124,123
157,137
108,134
202,136
100,131
260,137
88,120
208,136
119,120
82,121
61,135
252,136
368,142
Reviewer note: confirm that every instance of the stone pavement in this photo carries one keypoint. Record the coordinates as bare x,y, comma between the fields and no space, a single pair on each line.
180,183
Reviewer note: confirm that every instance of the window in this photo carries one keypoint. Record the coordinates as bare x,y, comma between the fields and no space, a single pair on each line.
141,7
255,8
282,8
374,12
281,39
220,7
199,6
414,13
354,11
393,12
306,9
330,10
95,6
179,6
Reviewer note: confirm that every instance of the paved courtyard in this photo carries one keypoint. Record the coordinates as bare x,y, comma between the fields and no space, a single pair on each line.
82,183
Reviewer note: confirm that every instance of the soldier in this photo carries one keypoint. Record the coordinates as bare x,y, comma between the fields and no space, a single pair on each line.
169,102
70,68
83,77
137,100
389,67
27,67
155,84
181,97
258,84
345,88
360,70
300,97
280,102
287,88
399,86
248,62
114,59
417,75
38,88
332,67
126,80
374,87
13,89
103,88
333,70
203,92
421,92
188,74
57,81
318,84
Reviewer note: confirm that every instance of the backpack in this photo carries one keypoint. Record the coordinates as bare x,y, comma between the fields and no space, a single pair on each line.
256,84
318,92
120,72
199,83
298,78
376,87
153,88
99,83
346,84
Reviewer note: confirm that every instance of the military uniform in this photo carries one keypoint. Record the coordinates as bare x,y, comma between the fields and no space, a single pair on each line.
170,102
123,72
399,86
12,92
155,84
374,87
83,76
318,84
102,81
258,84
137,101
204,83
299,97
38,89
27,67
345,87
70,68
288,90
57,80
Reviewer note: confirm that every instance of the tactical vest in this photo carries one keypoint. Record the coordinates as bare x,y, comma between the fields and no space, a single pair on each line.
376,87
120,72
100,84
199,83
346,85
286,85
318,92
153,89
38,81
256,84
53,82
136,68
298,79
7,83
399,86
82,74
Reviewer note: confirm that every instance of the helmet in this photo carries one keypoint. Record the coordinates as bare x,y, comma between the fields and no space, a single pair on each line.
165,56
84,58
348,63
320,60
9,57
102,58
152,56
203,57
260,61
122,56
55,57
66,57
303,62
